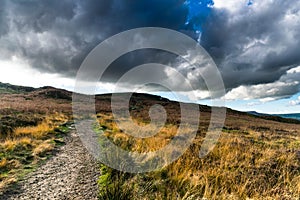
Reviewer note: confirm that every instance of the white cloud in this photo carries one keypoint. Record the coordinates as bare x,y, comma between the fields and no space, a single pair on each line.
286,85
19,72
267,99
231,5
250,104
295,102
294,70
196,95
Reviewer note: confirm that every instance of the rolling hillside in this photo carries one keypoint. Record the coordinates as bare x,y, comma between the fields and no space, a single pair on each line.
256,157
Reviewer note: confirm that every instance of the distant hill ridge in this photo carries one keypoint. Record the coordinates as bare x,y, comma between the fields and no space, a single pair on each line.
7,88
291,116
55,93
285,116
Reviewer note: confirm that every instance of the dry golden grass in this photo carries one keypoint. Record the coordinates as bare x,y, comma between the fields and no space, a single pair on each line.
28,123
9,145
25,146
42,129
253,159
43,147
3,163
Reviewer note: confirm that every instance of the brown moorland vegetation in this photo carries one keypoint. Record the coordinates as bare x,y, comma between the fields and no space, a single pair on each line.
30,129
255,157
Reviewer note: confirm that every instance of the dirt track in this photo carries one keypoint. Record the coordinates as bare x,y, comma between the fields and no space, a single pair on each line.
71,174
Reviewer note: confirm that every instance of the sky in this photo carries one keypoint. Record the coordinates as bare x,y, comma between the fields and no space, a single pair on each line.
255,45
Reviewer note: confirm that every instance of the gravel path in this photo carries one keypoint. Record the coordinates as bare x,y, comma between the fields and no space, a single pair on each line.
71,174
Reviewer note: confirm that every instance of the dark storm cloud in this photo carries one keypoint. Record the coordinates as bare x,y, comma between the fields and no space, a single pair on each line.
55,36
3,25
135,58
254,44
285,87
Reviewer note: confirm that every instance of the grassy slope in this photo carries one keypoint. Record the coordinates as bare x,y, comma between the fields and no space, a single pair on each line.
255,157
30,129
